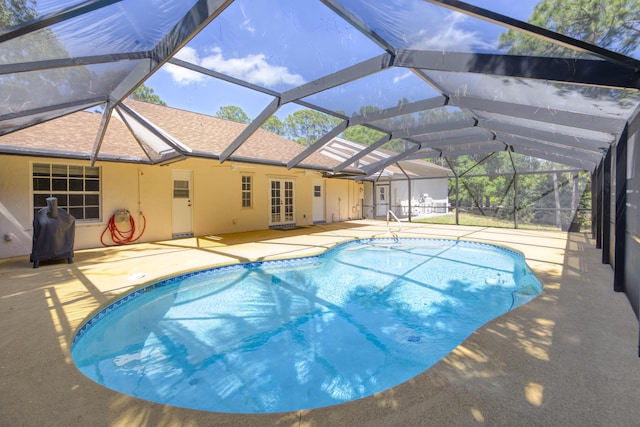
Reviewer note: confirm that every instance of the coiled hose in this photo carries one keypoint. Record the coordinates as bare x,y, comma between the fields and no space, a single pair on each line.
120,237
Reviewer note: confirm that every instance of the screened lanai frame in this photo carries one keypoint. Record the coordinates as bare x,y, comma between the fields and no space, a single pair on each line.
75,55
573,102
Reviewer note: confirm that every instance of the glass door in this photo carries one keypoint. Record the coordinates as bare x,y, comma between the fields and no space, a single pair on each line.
282,206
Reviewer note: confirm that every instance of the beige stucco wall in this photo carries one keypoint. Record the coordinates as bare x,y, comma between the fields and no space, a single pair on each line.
147,190
15,215
343,201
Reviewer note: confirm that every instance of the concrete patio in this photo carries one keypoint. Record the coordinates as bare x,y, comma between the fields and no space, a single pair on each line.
567,358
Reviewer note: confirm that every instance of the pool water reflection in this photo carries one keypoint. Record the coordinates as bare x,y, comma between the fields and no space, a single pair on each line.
302,333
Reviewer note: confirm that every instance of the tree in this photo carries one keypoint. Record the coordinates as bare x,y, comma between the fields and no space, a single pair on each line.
362,134
16,12
611,24
233,113
146,94
275,125
307,126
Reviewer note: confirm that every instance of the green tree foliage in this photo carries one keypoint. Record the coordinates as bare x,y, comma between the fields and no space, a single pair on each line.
488,189
15,12
441,115
307,126
275,125
146,94
233,113
362,134
612,24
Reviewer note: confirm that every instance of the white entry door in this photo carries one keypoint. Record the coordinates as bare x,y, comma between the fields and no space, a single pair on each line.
181,218
282,209
382,199
318,201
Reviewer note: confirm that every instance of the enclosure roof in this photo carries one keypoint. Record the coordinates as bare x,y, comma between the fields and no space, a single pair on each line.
425,78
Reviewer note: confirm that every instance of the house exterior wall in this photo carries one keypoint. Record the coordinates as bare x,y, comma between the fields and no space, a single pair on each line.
368,201
15,216
436,188
147,190
343,201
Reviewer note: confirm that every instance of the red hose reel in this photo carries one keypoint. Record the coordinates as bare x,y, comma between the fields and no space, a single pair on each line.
119,234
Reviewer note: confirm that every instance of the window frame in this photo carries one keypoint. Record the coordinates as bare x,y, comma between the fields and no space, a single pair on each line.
62,181
246,191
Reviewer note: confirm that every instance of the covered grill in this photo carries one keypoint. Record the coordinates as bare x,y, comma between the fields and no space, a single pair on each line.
53,234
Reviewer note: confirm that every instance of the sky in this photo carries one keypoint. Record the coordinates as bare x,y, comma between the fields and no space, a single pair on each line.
281,44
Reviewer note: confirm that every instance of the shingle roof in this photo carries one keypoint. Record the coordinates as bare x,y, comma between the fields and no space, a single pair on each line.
74,136
211,134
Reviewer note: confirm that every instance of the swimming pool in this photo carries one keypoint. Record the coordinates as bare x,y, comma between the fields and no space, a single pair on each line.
302,333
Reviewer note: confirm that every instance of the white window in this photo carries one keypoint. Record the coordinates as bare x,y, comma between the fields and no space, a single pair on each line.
247,191
76,187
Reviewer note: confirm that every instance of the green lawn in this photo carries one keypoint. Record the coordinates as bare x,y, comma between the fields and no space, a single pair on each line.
481,221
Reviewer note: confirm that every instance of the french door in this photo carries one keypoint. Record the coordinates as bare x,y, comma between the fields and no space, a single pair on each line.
282,196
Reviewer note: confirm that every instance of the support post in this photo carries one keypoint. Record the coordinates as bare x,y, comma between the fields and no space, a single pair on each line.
457,190
621,212
596,200
409,189
515,200
606,209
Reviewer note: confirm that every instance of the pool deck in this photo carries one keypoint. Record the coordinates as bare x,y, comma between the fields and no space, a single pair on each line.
567,358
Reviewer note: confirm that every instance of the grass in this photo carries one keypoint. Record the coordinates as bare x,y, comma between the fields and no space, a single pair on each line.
482,221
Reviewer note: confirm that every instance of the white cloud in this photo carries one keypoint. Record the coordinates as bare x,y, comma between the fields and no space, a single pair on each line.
246,24
251,68
181,75
449,37
406,75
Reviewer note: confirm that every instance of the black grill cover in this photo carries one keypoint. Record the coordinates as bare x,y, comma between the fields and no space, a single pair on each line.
53,234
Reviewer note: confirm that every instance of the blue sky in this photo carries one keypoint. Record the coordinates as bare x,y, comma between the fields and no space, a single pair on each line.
282,44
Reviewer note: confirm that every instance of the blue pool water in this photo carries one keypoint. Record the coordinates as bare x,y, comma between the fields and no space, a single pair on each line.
302,333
